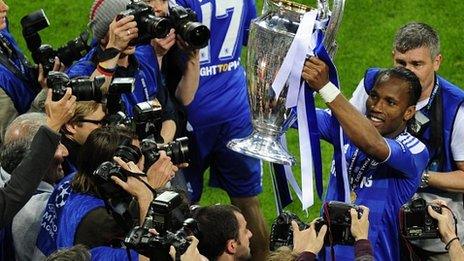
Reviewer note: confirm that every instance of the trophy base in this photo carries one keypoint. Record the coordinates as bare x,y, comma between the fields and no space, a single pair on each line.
263,147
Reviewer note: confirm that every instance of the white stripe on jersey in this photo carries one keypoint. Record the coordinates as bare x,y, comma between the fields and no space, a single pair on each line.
412,143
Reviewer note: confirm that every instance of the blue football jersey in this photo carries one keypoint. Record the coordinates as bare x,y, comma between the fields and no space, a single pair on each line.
383,187
222,92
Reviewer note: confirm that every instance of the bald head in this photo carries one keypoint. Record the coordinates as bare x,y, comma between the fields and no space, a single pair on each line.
18,139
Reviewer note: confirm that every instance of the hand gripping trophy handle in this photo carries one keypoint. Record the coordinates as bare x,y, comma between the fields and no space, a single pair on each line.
270,38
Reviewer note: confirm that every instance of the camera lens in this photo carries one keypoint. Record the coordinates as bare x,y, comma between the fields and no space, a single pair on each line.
156,27
195,34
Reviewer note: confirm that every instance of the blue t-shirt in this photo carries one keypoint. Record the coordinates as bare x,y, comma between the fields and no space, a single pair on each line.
222,92
383,187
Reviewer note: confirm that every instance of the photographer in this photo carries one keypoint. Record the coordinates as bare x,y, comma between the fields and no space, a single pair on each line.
18,85
224,233
114,57
383,160
85,210
88,116
307,243
27,175
447,229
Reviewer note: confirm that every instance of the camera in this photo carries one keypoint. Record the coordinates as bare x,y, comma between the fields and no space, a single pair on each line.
415,221
184,21
45,54
163,214
177,150
149,25
282,232
337,217
117,87
147,121
102,176
84,89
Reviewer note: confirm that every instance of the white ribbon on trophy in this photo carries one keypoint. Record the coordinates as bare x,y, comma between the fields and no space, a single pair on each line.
290,71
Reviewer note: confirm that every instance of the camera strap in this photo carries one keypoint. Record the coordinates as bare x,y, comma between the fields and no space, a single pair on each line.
6,51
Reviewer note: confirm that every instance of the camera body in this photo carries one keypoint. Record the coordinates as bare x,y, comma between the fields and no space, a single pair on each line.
282,231
416,222
147,120
84,89
184,21
336,215
114,104
150,26
162,215
177,150
45,54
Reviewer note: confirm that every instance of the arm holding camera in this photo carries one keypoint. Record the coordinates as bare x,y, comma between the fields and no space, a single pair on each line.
59,112
162,171
38,103
135,187
447,229
120,33
162,45
22,184
360,230
192,253
308,240
188,84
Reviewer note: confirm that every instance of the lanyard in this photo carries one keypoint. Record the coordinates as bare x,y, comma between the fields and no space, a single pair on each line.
356,177
8,51
432,96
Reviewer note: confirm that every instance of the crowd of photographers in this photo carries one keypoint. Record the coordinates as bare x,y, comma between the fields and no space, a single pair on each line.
93,149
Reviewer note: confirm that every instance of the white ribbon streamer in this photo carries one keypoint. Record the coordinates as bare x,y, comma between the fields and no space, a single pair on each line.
290,72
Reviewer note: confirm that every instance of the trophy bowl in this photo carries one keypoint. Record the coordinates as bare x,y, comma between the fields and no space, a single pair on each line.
270,38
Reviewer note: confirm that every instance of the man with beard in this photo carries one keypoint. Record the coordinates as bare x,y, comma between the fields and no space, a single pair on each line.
18,138
224,234
383,160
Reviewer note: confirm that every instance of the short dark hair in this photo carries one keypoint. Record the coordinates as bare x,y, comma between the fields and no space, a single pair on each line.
415,88
415,35
218,224
75,253
99,147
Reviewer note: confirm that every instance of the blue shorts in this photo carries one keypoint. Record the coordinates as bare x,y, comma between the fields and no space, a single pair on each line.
237,174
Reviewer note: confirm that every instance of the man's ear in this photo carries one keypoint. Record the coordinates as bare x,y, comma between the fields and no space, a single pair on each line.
437,62
70,127
231,246
409,113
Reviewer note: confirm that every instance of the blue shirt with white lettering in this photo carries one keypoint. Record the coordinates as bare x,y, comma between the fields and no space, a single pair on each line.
383,187
222,92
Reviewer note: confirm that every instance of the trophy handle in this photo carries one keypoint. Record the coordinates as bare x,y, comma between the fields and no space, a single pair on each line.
323,7
334,23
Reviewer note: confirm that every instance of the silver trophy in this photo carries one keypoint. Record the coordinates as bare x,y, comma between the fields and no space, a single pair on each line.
270,38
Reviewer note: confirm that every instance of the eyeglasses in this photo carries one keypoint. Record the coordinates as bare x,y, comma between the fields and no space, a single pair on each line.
97,122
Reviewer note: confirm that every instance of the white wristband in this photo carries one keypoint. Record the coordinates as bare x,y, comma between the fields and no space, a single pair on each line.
329,92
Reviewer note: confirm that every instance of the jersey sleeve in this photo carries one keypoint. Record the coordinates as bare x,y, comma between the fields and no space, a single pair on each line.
409,156
324,124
